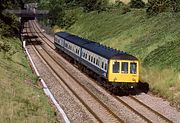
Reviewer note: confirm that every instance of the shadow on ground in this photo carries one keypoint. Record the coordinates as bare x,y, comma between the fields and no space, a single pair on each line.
32,40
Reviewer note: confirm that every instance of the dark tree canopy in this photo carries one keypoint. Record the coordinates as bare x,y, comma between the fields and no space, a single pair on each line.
137,4
8,23
158,6
56,12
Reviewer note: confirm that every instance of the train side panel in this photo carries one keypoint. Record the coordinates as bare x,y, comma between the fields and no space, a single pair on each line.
58,42
91,60
72,50
69,48
94,62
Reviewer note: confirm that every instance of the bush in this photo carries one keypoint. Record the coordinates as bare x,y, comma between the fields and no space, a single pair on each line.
7,50
136,4
69,18
119,3
9,25
159,6
90,5
125,9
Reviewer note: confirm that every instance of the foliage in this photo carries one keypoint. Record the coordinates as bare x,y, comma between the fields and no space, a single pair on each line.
119,3
159,6
59,13
121,6
8,23
136,4
90,5
125,9
56,12
30,1
69,18
60,10
43,4
7,49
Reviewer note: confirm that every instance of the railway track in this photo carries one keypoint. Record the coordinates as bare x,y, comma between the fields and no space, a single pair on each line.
150,109
142,109
104,115
126,102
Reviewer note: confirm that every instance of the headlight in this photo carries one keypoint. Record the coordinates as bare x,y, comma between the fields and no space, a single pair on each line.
133,79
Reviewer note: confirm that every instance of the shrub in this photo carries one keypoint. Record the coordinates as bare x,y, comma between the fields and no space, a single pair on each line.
136,4
69,18
125,9
90,5
158,6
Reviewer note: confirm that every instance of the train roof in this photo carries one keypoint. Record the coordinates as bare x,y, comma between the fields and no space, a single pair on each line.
106,52
73,38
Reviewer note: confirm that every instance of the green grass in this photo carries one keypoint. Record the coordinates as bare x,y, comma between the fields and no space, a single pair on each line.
154,40
21,100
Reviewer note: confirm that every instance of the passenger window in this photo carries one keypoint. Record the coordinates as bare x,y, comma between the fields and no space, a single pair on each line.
105,67
89,58
83,54
65,44
124,68
116,66
102,65
94,60
97,62
133,68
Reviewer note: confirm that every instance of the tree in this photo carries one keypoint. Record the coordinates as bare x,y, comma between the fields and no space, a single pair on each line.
56,12
137,4
8,23
158,6
90,5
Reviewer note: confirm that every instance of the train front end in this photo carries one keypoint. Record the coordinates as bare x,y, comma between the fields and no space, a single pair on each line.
124,72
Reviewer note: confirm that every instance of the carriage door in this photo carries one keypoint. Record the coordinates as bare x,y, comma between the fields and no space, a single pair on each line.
114,70
125,72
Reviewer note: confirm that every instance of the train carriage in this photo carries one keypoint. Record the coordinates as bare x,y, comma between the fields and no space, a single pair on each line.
115,66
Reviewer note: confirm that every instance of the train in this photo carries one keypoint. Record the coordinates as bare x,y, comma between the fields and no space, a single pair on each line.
114,68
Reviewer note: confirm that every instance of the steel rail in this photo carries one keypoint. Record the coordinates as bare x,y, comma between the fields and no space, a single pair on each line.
155,112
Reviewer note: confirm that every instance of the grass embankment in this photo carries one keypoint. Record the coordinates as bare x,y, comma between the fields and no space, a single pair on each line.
21,100
155,41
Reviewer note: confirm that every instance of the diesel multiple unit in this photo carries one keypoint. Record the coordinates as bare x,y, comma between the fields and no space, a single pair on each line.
116,67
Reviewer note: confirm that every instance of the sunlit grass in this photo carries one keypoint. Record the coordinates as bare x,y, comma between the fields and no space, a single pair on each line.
20,100
162,81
